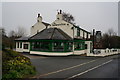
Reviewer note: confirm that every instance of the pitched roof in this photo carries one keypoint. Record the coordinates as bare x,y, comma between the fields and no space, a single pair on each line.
23,38
52,33
81,28
46,24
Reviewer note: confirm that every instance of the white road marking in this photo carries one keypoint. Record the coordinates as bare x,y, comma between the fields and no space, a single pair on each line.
65,69
88,70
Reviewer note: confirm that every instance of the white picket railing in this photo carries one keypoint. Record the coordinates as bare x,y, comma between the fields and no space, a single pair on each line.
104,52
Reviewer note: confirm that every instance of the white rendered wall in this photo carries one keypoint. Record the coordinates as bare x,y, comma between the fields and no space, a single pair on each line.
22,49
75,32
18,49
88,46
66,28
81,33
85,35
39,26
88,35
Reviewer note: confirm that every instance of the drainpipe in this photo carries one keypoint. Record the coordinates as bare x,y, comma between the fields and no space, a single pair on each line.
93,39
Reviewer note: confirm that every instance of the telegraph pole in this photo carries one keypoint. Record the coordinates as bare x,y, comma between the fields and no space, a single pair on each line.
93,39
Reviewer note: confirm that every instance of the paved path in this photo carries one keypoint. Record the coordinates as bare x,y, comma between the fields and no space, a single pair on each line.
75,67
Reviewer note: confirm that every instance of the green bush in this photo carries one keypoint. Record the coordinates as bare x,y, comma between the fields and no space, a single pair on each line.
12,74
16,65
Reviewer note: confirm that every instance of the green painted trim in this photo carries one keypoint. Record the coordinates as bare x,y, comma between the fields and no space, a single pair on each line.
51,46
79,40
79,49
53,51
88,40
51,40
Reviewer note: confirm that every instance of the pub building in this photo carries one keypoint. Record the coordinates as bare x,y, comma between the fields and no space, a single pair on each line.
60,38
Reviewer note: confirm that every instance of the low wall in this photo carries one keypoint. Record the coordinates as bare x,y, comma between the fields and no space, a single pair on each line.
22,50
104,52
79,52
51,53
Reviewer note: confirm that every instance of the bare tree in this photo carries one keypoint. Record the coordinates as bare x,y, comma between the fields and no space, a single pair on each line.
111,32
12,33
110,39
20,32
68,17
2,30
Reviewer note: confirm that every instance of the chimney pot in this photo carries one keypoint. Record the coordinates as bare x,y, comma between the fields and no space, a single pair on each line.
38,15
60,11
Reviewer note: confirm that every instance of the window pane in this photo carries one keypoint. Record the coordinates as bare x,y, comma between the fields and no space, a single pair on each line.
18,45
25,46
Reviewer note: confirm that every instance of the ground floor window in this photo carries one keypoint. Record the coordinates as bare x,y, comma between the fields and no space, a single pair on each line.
52,45
79,45
20,44
58,46
25,46
17,44
40,46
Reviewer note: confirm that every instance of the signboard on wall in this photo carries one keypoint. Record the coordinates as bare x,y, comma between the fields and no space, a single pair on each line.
98,36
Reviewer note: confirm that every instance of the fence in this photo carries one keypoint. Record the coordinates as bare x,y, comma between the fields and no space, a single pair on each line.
104,52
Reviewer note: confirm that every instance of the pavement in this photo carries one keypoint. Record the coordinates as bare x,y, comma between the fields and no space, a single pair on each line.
71,67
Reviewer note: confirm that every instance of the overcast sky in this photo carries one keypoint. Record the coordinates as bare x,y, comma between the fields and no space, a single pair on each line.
98,15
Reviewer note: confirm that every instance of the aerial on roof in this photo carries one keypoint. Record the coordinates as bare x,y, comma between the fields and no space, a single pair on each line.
52,33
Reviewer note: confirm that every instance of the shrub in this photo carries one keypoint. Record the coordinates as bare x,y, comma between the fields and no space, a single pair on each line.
16,65
12,74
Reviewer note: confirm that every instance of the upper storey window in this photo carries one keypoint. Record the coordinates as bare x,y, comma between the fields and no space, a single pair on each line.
78,32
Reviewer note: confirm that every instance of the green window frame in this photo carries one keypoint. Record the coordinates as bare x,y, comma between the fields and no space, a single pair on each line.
51,45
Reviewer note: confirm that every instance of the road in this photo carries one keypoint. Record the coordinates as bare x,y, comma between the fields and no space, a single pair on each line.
76,67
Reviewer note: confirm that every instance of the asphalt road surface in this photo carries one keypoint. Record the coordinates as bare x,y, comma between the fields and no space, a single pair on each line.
76,67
